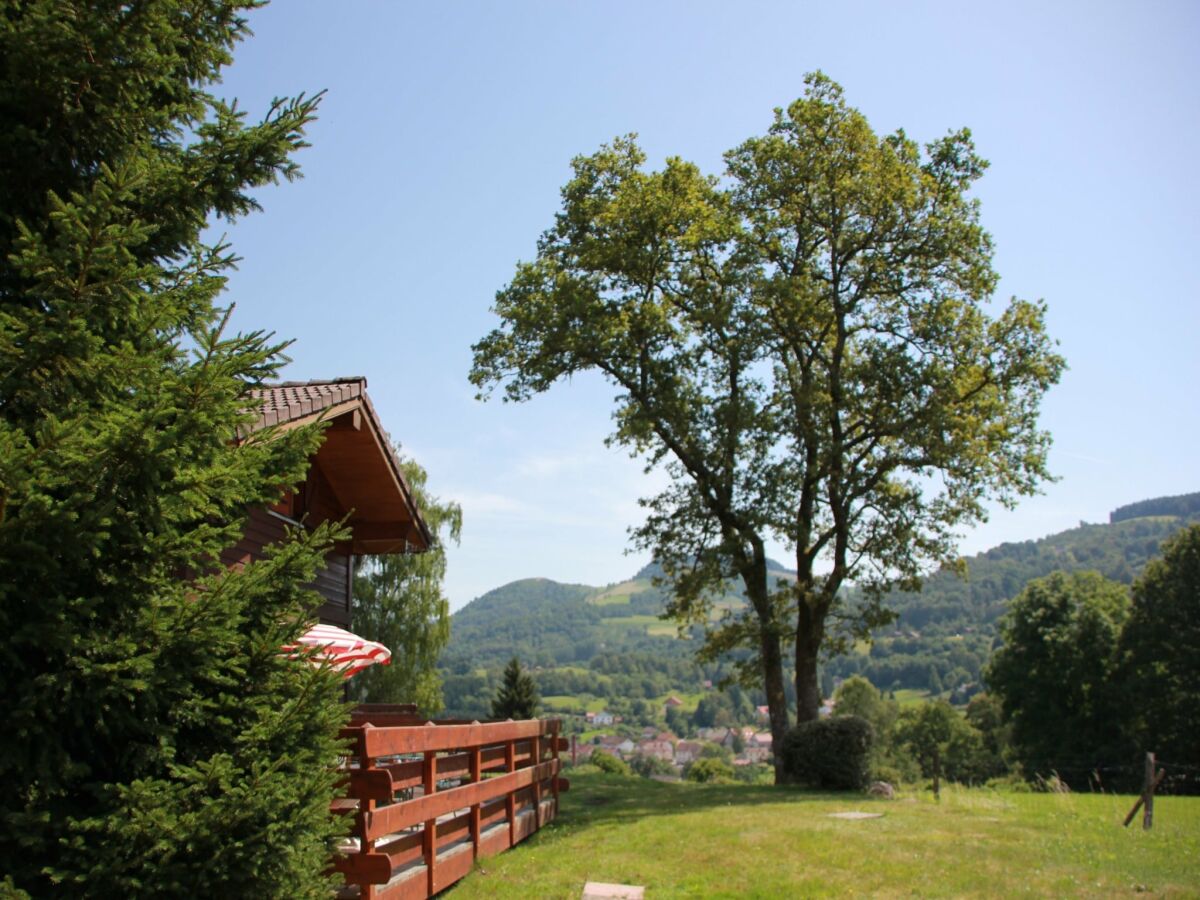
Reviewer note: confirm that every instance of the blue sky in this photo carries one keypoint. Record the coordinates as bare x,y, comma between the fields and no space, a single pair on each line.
447,132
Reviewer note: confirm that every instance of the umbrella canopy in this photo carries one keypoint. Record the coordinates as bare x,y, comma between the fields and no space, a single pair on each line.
344,650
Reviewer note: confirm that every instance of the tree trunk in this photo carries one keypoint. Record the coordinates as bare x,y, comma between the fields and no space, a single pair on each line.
809,632
772,660
771,655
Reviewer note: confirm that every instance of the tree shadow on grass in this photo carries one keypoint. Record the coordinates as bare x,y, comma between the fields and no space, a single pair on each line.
597,799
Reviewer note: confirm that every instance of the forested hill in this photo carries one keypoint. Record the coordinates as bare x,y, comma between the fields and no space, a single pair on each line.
943,636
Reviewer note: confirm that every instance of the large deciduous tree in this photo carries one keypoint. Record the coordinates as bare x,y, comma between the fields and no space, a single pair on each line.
155,741
1055,675
1160,649
399,601
803,345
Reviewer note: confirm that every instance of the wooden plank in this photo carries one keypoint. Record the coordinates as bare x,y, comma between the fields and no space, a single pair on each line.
364,868
493,841
455,829
371,784
404,775
386,708
524,825
403,850
396,741
391,819
451,866
492,812
410,885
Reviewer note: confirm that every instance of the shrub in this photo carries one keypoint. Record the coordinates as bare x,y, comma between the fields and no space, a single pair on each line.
829,753
611,765
708,771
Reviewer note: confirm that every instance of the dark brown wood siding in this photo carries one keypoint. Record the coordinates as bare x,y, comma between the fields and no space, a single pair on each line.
333,583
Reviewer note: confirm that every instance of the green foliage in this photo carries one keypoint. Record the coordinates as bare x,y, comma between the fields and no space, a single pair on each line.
801,348
1160,664
858,697
943,743
517,697
611,765
540,620
1183,506
831,754
398,601
985,713
708,770
1055,672
647,766
156,741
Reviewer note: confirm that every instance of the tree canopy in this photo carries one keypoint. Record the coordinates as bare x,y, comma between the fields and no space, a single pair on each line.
156,742
1160,648
803,346
1055,674
399,601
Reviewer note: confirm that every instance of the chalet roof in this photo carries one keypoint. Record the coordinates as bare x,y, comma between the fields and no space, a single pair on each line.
361,456
278,404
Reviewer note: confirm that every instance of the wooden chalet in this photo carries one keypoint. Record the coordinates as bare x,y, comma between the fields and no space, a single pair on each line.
355,471
428,799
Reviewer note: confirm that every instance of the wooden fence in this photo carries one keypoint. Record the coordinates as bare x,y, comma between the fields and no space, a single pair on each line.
429,798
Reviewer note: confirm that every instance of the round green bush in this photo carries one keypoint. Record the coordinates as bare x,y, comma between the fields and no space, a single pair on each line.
708,771
831,754
611,765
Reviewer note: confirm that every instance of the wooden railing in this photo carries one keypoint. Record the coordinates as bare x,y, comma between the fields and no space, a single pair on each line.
429,798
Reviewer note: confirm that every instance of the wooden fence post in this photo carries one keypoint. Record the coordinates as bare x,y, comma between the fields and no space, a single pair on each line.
1148,793
429,838
476,777
554,744
510,801
365,808
1150,781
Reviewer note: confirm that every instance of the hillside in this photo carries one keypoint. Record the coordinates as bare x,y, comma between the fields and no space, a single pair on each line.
581,638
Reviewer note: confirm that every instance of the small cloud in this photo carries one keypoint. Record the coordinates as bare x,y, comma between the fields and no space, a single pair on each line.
1083,456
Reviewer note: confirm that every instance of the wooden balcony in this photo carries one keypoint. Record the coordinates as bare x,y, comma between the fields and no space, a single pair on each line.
429,798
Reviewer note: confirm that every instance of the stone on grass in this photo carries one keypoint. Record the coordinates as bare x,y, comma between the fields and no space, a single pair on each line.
598,890
882,789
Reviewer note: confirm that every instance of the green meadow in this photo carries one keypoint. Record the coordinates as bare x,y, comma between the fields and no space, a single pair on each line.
685,840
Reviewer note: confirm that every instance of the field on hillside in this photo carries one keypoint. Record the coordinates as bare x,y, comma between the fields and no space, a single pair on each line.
682,840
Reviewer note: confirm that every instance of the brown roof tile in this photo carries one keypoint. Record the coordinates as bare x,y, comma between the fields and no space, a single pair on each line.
289,400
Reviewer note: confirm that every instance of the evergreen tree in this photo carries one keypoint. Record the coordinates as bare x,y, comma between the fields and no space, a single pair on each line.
155,742
517,697
398,601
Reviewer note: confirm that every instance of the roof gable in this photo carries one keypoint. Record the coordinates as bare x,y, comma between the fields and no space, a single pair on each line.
356,457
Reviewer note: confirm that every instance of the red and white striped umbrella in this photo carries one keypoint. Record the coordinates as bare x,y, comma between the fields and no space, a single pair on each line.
344,650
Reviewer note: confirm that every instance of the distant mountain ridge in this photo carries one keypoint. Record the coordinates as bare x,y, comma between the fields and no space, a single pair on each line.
944,634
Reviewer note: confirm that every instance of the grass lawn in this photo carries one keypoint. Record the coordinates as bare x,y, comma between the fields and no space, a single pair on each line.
682,840
617,594
911,697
